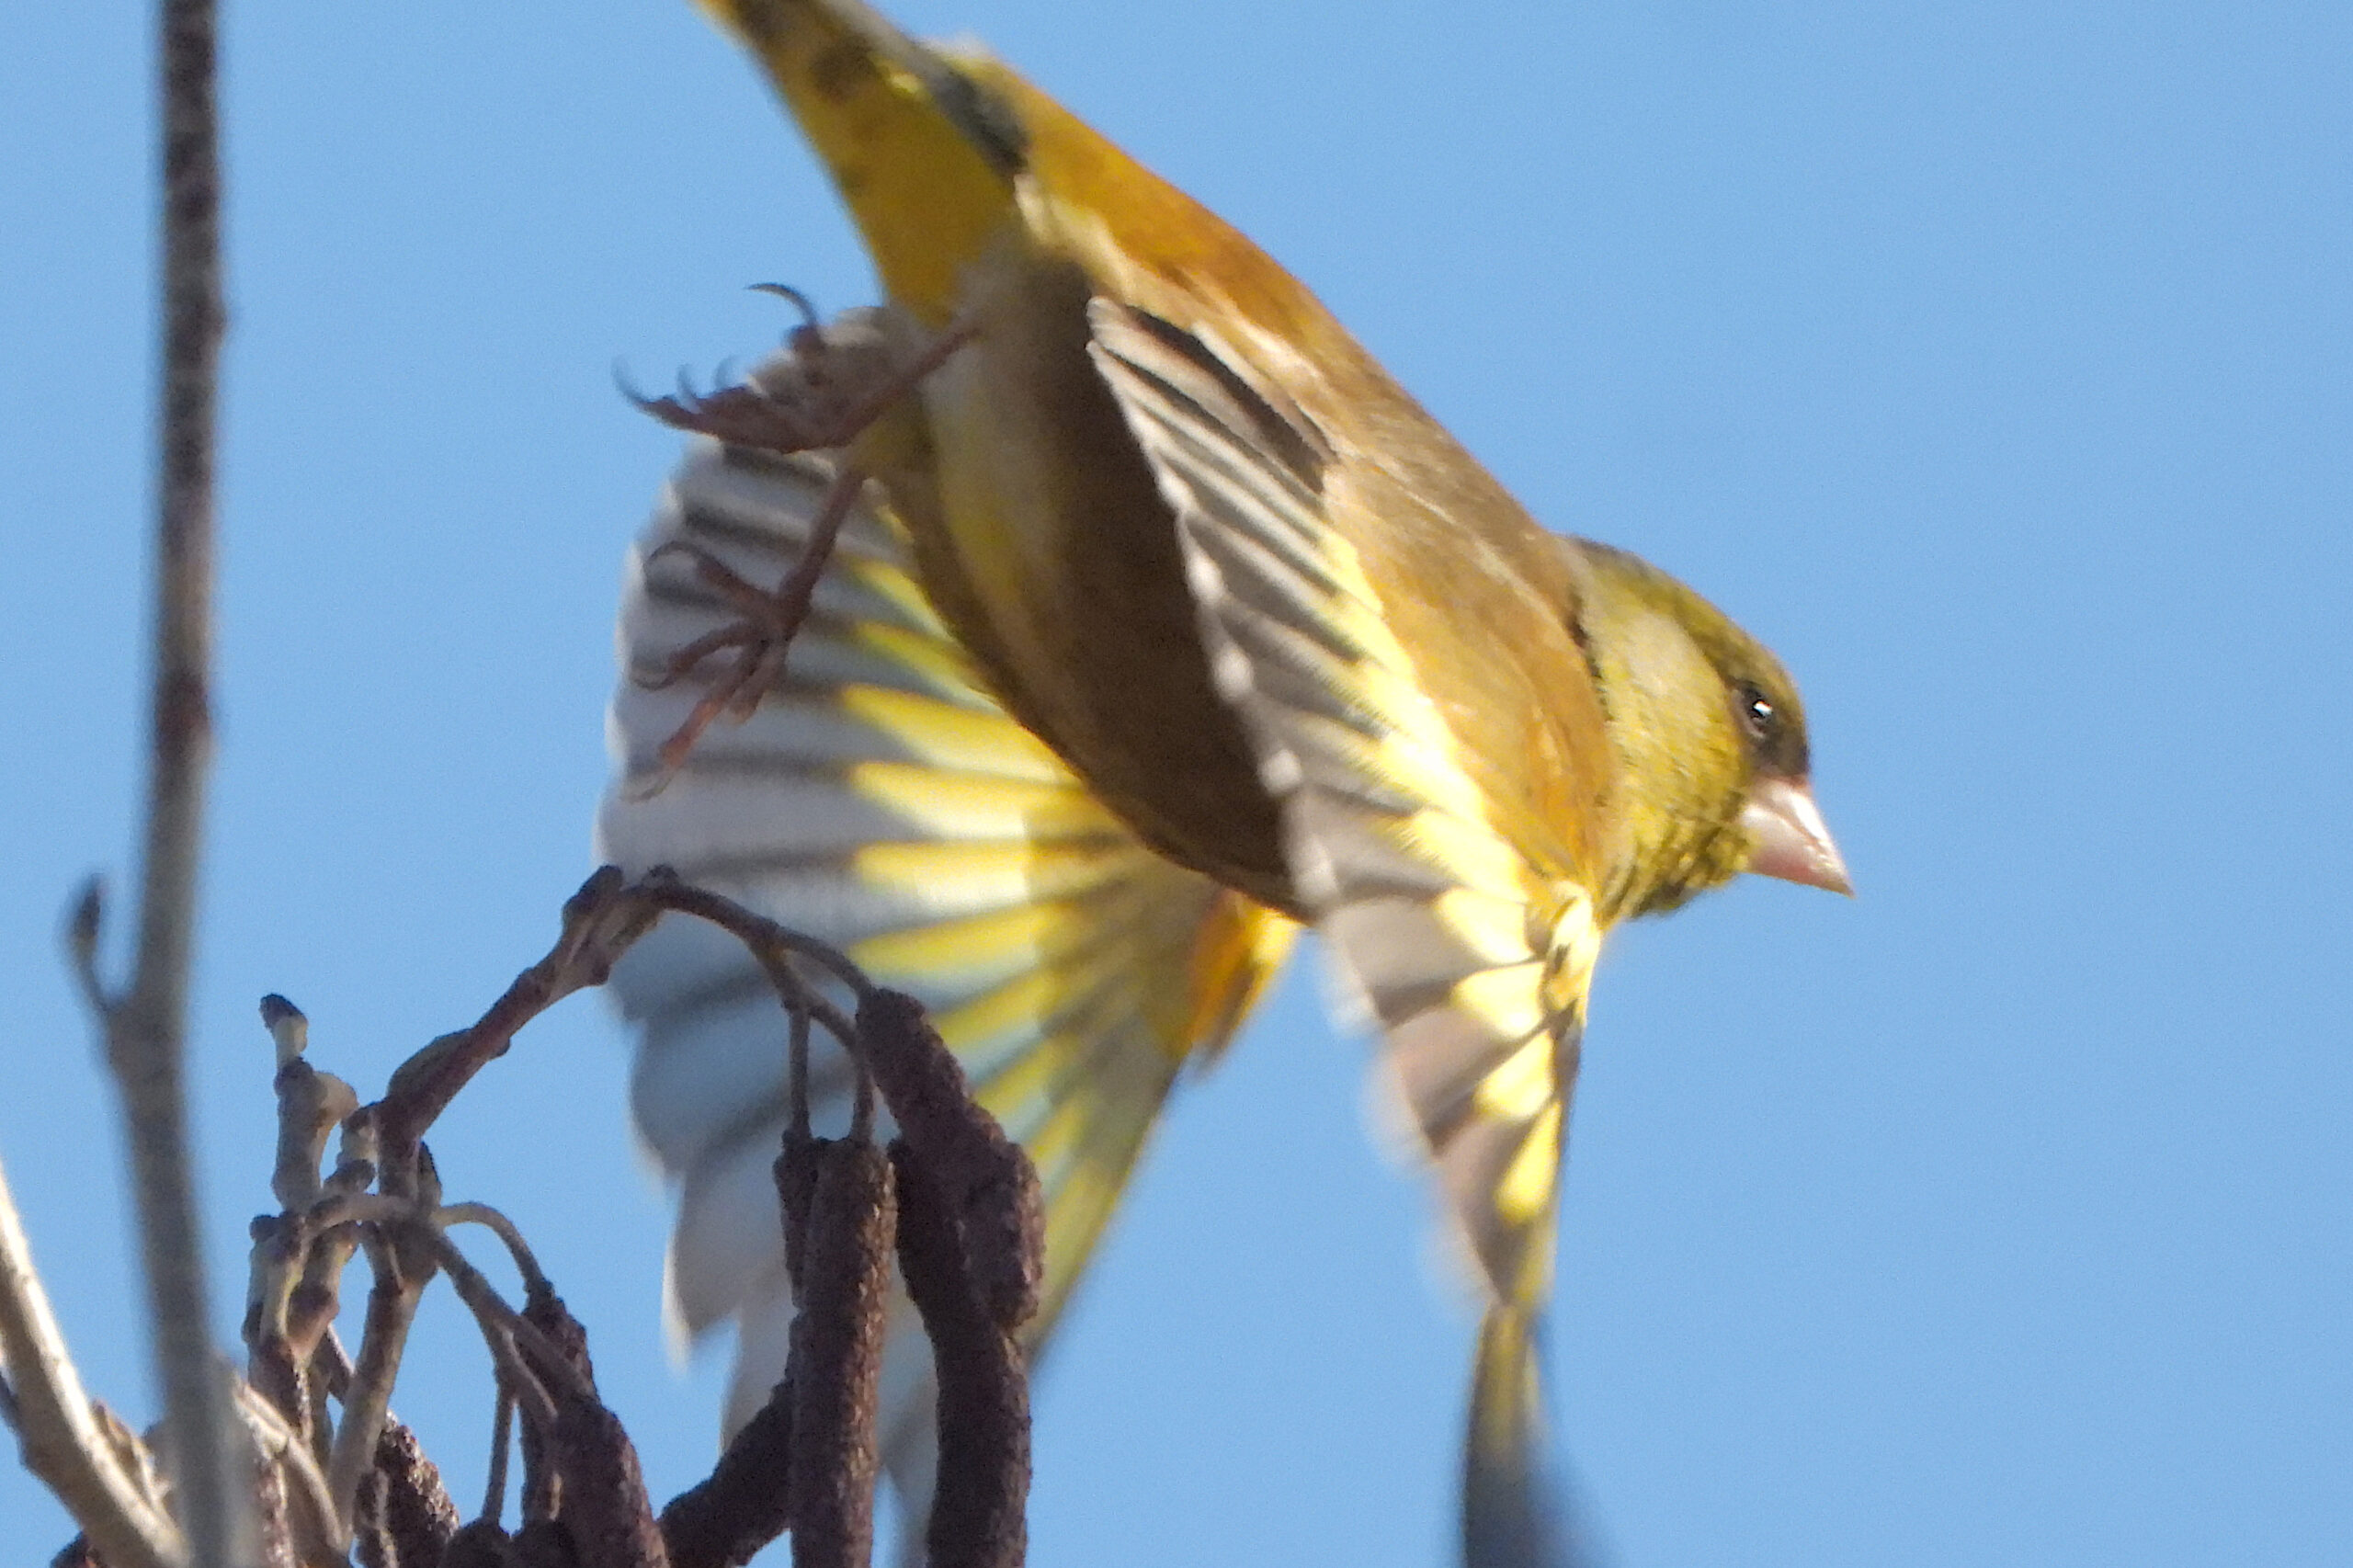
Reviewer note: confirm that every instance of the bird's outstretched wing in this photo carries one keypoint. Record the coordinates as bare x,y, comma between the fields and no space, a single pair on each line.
880,800
1472,959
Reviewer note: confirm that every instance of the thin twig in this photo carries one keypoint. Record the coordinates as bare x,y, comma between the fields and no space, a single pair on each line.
392,1308
599,923
147,1027
797,1074
526,1263
521,1352
502,1438
762,935
296,1269
59,1431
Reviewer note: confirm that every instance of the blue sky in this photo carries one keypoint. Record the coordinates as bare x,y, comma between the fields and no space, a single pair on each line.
1993,362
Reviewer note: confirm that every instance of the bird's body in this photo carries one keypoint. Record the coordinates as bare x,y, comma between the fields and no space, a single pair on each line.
1304,659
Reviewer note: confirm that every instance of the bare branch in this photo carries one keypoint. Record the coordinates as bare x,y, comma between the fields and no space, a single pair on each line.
146,1026
82,926
502,1438
56,1424
526,1263
766,938
295,1280
525,1356
311,1106
970,1258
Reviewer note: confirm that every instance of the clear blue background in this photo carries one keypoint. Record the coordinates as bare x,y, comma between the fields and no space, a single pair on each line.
1992,361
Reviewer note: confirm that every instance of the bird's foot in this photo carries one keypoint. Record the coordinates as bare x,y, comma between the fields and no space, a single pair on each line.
834,381
764,622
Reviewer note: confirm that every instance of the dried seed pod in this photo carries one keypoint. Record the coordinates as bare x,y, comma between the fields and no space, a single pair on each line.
978,1506
543,1475
417,1514
1002,1217
745,1504
985,1177
545,1310
835,1365
605,1510
542,1544
478,1543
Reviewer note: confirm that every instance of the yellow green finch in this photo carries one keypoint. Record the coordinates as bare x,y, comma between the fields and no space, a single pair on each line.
1170,624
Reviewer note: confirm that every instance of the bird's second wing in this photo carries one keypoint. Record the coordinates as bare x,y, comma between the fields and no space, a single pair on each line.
1473,961
880,800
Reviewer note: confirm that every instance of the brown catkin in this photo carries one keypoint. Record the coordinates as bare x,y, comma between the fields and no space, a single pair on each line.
836,1356
987,1181
542,1475
417,1515
745,1504
480,1543
542,1544
605,1509
978,1517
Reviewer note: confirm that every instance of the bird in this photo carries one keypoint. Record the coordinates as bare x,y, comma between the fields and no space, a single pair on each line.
1164,627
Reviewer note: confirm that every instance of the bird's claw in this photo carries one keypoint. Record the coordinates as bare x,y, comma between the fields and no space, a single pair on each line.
764,622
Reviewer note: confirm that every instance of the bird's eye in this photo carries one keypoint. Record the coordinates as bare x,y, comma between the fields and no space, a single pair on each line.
1756,712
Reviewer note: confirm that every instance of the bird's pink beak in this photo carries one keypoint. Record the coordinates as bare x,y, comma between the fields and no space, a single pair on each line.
1792,842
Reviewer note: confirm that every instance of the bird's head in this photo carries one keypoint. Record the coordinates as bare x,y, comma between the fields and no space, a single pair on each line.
1715,775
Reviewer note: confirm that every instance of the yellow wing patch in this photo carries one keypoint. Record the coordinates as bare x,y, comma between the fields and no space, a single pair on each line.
1474,961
